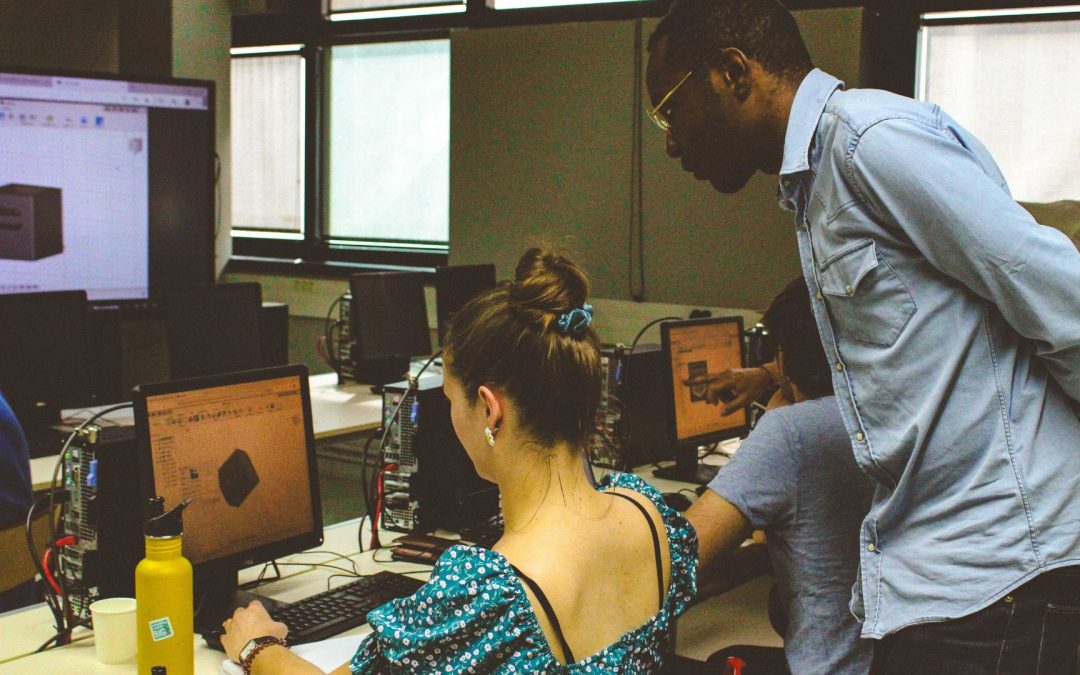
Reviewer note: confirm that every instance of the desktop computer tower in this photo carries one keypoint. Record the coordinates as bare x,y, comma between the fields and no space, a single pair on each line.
434,484
31,222
105,513
606,450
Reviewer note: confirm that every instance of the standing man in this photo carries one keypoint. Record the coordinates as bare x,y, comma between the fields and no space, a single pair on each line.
951,321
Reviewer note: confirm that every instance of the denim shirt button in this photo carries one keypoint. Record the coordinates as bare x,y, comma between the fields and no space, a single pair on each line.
871,548
859,436
839,367
820,296
847,289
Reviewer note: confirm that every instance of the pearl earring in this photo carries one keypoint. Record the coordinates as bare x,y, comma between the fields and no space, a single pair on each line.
490,436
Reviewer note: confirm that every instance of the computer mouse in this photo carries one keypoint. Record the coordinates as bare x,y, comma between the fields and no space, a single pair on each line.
677,500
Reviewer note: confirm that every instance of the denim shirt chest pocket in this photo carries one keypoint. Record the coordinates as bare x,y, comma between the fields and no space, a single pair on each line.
866,298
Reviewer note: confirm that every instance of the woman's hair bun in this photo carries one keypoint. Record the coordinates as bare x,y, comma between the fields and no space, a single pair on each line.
548,282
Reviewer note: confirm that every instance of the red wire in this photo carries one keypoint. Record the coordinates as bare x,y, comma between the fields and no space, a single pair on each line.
378,506
48,574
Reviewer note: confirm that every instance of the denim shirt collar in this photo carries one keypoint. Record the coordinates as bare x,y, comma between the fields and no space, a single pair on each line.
814,92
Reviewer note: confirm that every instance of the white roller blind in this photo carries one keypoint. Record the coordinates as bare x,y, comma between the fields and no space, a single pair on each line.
1016,86
268,143
390,142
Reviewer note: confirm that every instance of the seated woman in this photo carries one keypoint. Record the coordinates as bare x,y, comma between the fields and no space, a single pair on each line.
584,579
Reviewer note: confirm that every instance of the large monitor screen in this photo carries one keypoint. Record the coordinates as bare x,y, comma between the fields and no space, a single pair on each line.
106,184
241,446
694,348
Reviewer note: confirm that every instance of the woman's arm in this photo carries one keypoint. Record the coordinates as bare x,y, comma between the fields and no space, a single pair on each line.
253,621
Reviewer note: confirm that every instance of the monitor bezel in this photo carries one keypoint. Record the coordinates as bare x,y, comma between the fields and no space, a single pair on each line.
669,391
157,280
266,552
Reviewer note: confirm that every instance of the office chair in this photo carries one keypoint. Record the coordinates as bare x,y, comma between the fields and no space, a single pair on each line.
19,567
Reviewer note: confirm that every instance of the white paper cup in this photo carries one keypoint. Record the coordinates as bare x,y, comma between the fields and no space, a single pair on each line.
114,629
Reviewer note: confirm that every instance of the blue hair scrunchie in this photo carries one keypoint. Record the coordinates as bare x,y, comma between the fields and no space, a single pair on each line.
576,321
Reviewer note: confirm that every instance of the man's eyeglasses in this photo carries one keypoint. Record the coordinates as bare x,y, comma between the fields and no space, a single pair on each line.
658,114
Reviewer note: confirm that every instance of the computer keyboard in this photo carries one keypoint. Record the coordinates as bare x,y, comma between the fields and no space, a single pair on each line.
326,614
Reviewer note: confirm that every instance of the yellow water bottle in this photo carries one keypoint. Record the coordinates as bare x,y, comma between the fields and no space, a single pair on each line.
163,594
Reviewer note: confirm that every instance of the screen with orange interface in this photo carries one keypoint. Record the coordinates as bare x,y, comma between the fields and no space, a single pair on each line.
698,349
240,452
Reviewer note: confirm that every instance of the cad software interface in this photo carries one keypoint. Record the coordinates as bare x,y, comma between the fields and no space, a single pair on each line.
240,452
86,142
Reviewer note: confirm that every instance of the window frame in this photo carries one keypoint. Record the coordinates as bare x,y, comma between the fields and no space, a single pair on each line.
889,53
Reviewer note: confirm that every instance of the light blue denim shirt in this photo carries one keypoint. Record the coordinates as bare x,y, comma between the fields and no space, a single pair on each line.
952,323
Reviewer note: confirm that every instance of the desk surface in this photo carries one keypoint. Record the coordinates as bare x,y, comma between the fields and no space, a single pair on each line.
335,410
737,617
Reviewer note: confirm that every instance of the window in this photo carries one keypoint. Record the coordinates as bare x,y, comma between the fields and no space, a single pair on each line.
1012,80
389,149
268,143
350,10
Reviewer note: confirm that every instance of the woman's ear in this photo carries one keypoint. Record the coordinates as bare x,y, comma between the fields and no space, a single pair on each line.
492,403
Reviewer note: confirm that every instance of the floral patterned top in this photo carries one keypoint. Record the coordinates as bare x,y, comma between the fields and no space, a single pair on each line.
473,615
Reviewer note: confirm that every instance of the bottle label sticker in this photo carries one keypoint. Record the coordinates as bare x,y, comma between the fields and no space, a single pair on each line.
161,629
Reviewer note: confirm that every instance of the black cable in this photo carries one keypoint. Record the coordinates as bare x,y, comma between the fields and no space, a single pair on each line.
62,635
50,595
650,325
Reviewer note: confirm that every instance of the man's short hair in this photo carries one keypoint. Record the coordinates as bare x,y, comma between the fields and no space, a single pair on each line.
790,322
762,29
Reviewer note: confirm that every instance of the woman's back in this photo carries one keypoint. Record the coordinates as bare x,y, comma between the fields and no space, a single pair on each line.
600,578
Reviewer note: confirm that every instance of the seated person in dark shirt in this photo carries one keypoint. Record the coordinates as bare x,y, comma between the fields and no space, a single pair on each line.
795,477
15,493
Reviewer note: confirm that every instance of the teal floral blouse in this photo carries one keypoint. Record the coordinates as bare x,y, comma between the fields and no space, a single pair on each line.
473,615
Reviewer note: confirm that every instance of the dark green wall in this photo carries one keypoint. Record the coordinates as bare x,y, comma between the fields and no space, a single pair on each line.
541,145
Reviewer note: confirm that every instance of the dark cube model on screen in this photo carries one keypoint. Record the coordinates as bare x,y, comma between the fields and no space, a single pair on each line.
31,222
237,478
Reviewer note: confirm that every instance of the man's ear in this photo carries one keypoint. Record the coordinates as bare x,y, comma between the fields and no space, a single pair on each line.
730,70
492,403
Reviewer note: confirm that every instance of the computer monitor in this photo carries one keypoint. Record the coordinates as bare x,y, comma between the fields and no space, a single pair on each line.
241,446
106,184
693,348
43,355
213,328
389,324
456,285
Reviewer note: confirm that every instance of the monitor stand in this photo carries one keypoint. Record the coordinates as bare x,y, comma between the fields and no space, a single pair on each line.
687,468
217,596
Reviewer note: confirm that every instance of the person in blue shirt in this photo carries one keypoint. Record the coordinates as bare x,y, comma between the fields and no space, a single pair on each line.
795,478
585,579
16,494
949,317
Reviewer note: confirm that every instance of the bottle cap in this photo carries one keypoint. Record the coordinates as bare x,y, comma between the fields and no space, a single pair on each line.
161,523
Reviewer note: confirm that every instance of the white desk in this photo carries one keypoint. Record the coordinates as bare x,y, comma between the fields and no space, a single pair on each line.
335,410
737,617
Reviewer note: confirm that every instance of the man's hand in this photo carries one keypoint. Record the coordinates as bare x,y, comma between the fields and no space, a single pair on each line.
246,624
735,388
